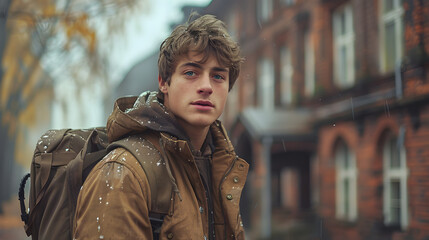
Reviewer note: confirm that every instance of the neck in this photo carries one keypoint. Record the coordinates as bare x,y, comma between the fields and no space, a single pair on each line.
197,136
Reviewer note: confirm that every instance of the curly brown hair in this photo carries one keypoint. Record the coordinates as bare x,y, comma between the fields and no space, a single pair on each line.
205,35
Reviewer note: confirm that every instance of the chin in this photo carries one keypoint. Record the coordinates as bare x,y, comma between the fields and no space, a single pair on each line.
202,122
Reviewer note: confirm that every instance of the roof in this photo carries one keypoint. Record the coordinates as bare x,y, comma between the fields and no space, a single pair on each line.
291,125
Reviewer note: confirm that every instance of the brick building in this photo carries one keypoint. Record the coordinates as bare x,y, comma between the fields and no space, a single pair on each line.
332,111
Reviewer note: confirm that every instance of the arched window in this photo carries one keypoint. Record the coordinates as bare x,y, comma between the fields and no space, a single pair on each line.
346,190
395,173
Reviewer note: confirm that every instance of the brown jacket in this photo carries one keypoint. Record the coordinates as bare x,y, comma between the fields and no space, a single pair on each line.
115,198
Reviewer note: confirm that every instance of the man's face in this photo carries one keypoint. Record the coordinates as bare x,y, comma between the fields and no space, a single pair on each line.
197,92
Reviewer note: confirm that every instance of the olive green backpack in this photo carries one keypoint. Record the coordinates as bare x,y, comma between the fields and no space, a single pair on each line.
61,162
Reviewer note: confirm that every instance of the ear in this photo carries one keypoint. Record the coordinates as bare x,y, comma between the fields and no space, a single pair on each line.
162,84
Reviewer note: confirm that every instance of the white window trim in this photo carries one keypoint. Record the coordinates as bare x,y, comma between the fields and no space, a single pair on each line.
347,40
266,84
265,10
341,175
401,175
286,86
396,15
309,75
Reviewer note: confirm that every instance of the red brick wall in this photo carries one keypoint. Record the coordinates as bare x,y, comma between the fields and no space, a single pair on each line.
367,147
417,145
364,134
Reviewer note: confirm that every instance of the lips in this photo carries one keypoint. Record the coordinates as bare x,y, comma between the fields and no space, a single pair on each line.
203,103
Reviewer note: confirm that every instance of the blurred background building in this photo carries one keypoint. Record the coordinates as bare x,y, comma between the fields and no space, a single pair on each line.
331,110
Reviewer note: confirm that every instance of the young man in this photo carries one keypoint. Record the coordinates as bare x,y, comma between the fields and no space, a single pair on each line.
198,65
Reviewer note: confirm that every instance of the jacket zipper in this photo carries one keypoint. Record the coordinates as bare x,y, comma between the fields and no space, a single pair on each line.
220,192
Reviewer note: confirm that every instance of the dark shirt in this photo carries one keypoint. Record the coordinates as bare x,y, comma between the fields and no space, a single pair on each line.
203,159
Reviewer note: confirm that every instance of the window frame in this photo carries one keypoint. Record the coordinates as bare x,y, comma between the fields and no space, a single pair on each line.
264,10
346,41
286,76
395,174
309,65
266,82
345,175
395,16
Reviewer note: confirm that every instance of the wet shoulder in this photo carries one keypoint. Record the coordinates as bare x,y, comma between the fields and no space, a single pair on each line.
124,158
134,157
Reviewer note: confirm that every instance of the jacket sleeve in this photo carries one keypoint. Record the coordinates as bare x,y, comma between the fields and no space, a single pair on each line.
113,202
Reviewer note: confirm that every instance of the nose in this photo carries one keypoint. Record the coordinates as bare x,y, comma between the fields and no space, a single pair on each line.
205,86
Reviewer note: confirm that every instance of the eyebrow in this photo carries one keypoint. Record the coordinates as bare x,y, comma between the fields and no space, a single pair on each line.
196,65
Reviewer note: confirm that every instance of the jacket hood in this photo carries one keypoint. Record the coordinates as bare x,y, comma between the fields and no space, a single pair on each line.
138,114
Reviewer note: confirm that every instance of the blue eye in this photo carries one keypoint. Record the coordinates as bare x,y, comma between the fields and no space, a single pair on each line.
190,73
218,77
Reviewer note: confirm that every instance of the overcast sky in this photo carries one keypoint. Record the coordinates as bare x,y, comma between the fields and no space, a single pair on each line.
145,32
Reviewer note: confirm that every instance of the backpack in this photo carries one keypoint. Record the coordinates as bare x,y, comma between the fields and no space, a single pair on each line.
61,162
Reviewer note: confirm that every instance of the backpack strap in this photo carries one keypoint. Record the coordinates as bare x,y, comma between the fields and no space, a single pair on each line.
44,151
92,151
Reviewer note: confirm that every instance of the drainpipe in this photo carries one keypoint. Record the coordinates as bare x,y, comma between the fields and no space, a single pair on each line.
266,191
398,79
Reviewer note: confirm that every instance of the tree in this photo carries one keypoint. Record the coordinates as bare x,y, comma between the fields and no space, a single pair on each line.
47,41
